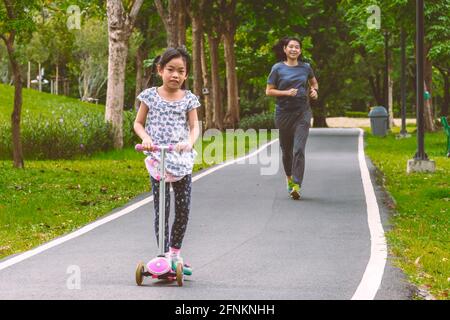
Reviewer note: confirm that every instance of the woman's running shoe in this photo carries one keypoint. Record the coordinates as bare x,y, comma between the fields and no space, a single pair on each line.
293,189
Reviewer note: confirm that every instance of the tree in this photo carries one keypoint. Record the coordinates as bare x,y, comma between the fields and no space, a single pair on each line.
401,13
173,15
195,12
148,24
439,53
120,25
91,48
373,36
16,20
213,29
37,51
230,24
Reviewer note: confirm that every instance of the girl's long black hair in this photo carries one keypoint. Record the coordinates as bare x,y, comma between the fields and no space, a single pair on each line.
281,44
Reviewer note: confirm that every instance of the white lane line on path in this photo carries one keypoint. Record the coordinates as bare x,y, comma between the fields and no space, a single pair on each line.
131,208
373,274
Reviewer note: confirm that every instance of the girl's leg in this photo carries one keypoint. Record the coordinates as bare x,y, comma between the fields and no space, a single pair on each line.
155,189
301,132
182,192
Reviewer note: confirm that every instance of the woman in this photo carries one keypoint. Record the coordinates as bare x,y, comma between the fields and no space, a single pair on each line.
292,82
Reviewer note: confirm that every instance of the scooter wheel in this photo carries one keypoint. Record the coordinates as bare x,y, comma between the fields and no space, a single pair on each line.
139,273
180,274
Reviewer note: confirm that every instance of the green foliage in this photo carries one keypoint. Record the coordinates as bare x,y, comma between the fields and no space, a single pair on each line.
37,48
91,49
356,114
254,106
59,137
55,127
258,121
23,22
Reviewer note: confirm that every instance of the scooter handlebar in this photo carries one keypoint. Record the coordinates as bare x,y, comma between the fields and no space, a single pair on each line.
139,147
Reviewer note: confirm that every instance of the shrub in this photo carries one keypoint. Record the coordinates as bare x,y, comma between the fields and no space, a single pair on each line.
63,137
263,120
129,137
356,114
256,106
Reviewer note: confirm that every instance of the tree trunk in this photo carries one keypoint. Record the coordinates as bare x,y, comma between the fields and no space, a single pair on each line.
181,22
444,109
428,77
390,96
319,114
174,21
140,57
376,89
232,115
215,79
57,79
120,25
208,114
197,34
29,75
39,77
115,92
17,111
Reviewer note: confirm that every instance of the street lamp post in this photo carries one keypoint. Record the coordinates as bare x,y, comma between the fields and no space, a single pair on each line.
386,74
420,154
420,163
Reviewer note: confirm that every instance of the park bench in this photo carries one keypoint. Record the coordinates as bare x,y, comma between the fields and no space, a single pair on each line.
447,132
91,100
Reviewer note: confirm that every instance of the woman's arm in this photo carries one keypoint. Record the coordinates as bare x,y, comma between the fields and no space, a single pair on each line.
272,91
314,88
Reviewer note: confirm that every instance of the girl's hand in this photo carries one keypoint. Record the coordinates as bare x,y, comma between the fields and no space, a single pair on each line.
291,92
147,144
183,147
313,94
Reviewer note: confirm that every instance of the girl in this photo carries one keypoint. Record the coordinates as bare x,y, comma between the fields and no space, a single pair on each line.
291,81
167,115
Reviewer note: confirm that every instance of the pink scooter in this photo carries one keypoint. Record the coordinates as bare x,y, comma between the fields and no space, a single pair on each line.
161,266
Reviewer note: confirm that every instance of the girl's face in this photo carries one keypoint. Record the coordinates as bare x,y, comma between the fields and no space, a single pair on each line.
173,74
292,50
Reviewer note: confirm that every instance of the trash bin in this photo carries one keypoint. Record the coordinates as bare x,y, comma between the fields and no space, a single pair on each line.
378,120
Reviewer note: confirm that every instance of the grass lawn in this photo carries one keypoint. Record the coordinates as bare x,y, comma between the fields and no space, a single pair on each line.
420,235
42,103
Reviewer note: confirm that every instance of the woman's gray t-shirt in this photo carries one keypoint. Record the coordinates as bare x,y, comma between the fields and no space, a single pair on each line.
285,77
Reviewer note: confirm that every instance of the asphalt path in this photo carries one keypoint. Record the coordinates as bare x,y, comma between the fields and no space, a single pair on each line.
246,238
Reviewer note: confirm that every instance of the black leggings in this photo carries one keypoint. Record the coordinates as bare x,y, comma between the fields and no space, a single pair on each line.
182,191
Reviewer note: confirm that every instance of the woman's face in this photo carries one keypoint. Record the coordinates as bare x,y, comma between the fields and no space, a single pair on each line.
292,50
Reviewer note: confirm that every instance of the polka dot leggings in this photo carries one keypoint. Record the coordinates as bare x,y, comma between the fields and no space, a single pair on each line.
182,192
